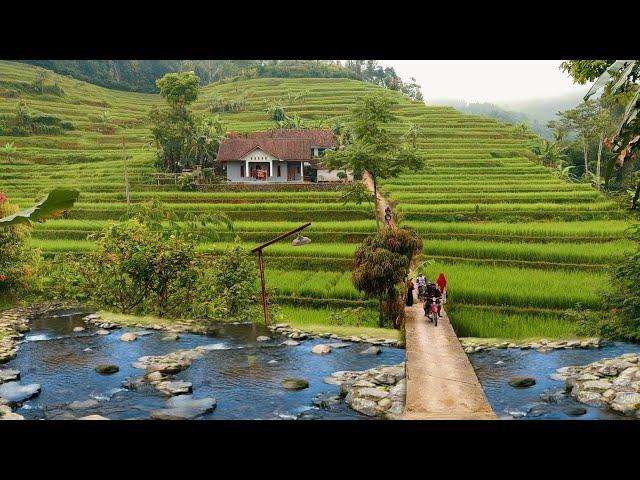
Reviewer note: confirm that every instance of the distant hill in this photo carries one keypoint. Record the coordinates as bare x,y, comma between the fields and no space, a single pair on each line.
545,109
141,75
495,111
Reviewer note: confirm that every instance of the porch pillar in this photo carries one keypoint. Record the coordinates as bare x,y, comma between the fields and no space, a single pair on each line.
271,168
301,171
246,169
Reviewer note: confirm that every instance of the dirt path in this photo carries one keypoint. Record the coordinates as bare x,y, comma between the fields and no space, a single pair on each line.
441,382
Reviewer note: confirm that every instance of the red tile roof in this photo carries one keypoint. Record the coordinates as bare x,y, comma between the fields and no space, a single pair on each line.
283,144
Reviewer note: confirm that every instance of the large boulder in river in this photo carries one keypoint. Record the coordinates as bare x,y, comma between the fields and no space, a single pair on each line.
14,392
184,407
107,369
522,382
93,417
321,349
373,350
128,337
262,338
83,405
294,384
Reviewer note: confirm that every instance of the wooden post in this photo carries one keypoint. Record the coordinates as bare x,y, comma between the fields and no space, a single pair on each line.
126,176
265,299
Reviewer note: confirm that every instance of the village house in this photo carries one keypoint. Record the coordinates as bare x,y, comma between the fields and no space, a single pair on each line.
277,156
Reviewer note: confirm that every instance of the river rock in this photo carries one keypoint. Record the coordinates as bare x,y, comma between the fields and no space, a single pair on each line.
174,387
627,403
321,349
294,384
522,382
79,329
154,377
172,337
262,338
326,401
128,337
184,407
14,392
339,345
575,411
107,369
102,331
7,414
78,405
93,417
373,350
290,343
9,375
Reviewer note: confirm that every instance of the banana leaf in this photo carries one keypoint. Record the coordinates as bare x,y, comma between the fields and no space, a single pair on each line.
53,205
605,77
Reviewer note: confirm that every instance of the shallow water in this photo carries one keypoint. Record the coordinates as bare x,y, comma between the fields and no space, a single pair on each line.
236,373
496,367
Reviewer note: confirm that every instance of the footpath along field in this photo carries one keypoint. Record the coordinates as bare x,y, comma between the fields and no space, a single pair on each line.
527,223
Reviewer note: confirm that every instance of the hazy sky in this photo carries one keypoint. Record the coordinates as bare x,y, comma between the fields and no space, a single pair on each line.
495,81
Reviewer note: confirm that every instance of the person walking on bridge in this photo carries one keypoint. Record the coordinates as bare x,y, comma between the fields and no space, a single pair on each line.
410,287
442,286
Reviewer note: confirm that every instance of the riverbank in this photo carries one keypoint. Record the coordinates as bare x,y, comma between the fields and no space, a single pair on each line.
475,344
298,328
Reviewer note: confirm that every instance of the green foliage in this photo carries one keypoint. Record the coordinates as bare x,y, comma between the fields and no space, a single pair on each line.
54,205
18,260
24,123
381,263
227,290
179,89
8,152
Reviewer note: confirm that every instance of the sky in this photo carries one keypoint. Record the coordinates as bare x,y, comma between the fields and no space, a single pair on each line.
494,81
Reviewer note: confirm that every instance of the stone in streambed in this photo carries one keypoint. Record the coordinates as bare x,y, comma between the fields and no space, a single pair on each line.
107,369
575,411
371,351
262,338
184,407
171,337
78,329
290,343
176,387
522,382
78,405
102,331
93,417
9,375
321,349
294,384
14,392
128,337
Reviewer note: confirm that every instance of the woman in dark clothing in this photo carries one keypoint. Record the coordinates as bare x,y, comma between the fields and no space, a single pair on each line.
410,293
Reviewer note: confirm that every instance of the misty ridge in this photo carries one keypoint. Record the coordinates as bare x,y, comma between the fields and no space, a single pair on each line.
535,112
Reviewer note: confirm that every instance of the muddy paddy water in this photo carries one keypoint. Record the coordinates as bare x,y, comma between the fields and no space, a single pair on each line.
242,374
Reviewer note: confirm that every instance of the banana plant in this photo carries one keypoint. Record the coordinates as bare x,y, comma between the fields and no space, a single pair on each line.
54,205
626,140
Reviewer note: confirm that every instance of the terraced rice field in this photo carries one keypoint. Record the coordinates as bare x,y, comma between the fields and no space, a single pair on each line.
505,230
509,235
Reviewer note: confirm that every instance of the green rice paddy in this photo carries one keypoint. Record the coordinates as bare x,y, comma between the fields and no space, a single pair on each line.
508,234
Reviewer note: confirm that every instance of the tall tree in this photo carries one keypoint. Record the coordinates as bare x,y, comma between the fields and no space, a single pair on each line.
373,149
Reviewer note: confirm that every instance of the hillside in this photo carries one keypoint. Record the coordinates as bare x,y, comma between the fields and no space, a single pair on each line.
517,243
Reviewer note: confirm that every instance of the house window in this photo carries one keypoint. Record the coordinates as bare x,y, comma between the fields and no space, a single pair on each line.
242,170
320,152
279,173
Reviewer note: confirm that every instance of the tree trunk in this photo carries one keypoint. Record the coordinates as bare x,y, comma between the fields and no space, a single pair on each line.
381,313
585,151
598,168
636,196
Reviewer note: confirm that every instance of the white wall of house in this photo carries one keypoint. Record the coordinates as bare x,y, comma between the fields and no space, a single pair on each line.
233,171
325,175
